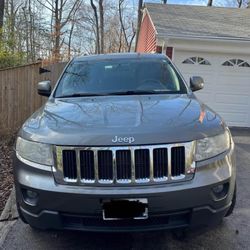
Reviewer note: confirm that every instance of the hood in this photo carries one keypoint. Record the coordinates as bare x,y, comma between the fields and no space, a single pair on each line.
96,121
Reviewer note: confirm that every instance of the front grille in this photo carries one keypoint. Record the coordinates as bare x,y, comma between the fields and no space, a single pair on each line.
124,165
87,165
69,164
177,161
161,162
142,164
105,165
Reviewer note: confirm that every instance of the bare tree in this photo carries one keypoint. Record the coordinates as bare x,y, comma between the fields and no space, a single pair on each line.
210,3
101,14
243,3
11,9
96,27
239,3
61,13
139,18
53,29
1,13
123,30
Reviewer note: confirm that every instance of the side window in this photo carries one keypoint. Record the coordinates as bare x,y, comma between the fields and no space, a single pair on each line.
237,63
196,60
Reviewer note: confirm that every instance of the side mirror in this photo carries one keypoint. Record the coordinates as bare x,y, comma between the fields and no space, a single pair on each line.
196,83
44,88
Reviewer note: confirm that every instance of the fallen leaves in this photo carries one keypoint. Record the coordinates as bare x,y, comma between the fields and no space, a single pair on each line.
6,170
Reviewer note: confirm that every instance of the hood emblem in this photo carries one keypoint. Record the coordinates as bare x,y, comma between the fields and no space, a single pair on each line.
118,139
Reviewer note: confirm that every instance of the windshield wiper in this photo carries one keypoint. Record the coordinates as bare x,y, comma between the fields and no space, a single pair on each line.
80,95
129,92
138,92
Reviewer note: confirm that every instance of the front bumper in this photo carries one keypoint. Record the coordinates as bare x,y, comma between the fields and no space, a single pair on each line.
187,204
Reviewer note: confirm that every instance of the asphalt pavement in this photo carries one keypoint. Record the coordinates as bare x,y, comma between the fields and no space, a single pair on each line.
233,233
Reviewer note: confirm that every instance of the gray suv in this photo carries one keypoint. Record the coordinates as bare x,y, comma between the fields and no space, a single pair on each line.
123,144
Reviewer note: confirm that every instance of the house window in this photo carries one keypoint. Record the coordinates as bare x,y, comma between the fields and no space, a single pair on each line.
236,62
196,60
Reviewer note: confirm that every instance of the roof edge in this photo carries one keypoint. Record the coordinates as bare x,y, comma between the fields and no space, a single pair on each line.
146,12
191,37
199,6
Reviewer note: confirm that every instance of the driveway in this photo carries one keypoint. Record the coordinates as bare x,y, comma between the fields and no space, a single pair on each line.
233,233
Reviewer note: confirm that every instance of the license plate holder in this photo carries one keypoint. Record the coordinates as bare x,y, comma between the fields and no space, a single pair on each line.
125,209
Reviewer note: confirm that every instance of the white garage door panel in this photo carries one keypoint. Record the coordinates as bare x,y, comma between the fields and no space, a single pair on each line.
235,118
232,89
226,90
233,84
221,107
232,99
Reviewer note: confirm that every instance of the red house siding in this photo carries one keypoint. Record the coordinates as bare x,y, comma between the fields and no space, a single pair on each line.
169,52
147,37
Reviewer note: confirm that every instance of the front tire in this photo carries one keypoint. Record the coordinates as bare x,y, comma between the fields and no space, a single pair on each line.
20,213
231,209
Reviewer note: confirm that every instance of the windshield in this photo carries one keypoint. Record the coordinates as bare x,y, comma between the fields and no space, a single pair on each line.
120,76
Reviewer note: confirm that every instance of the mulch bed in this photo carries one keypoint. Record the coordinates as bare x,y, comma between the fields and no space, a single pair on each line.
6,172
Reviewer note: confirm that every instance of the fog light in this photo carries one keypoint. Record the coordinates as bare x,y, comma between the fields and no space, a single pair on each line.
31,194
30,197
220,191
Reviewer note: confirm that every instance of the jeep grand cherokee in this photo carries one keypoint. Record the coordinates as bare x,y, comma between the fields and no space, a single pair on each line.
123,144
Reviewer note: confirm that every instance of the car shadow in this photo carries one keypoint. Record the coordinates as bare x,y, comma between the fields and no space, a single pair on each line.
141,240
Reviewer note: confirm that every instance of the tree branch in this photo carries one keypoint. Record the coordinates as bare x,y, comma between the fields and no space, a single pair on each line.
44,5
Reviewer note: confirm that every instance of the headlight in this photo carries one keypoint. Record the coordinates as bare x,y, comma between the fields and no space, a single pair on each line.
212,146
33,151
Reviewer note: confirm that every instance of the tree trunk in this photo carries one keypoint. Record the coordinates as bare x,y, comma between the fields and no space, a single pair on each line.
57,31
1,14
121,22
101,13
26,37
97,27
132,38
31,33
12,26
70,40
210,3
139,17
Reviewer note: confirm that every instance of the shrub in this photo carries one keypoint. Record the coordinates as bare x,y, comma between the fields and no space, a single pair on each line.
9,59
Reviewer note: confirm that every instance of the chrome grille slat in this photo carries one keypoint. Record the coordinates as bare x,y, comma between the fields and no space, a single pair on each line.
125,165
151,159
78,165
114,164
132,165
96,165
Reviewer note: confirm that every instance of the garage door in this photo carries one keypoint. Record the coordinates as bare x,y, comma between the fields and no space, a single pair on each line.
227,83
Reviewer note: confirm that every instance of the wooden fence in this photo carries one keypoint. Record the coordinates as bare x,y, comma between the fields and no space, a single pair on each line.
18,93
